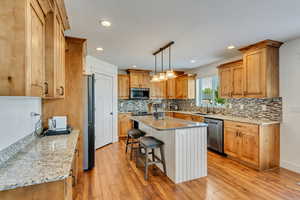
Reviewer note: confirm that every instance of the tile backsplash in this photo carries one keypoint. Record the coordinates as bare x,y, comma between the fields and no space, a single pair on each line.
266,108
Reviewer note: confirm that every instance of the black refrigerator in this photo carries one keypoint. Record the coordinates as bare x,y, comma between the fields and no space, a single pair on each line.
89,135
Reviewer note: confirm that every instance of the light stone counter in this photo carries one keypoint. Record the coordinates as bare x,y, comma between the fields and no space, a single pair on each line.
231,118
45,159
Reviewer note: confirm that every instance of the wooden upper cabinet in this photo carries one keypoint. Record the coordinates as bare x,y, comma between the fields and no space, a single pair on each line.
158,90
171,88
261,69
185,87
55,55
24,63
139,78
238,80
123,86
225,76
36,50
231,79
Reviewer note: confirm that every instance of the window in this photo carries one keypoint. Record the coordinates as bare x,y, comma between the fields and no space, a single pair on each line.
207,91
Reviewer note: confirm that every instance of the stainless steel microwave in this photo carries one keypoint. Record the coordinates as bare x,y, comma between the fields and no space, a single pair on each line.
139,93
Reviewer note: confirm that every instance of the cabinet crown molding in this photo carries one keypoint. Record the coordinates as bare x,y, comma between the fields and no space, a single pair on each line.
261,44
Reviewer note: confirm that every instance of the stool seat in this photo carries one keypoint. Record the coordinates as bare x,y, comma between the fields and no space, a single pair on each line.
150,142
135,133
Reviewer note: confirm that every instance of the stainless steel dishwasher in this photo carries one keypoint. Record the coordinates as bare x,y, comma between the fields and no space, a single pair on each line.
215,140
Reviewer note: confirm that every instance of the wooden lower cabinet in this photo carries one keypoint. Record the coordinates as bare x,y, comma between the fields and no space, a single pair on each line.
124,124
185,116
254,145
182,116
58,190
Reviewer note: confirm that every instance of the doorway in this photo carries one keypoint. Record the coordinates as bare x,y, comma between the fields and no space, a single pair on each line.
103,110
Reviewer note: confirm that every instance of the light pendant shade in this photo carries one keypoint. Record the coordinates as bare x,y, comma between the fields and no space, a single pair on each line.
155,78
170,74
162,76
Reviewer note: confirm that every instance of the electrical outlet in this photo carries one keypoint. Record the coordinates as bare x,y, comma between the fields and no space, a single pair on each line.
263,107
242,107
230,105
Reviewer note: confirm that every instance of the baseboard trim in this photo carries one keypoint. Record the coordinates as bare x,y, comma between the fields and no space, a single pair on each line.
290,166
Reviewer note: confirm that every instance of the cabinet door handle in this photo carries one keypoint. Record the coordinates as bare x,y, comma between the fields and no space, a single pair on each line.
46,88
62,90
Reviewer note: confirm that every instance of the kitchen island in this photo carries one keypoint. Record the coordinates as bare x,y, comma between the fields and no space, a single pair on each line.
185,145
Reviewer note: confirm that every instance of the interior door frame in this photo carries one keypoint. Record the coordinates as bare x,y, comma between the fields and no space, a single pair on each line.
97,74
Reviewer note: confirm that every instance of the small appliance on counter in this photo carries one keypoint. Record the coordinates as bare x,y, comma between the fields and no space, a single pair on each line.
158,111
57,125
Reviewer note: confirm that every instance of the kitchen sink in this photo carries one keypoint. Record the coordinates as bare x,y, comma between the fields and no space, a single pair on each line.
201,113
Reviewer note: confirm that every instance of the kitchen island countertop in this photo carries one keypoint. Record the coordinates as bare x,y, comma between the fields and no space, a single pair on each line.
168,123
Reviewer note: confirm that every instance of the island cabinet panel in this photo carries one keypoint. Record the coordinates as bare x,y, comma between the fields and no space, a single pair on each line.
158,90
139,78
123,86
185,87
248,143
55,55
124,124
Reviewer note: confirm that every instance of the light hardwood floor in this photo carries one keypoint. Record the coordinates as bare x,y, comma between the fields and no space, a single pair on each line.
115,177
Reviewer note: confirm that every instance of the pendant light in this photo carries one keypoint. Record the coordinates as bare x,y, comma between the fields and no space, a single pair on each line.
155,77
170,73
162,75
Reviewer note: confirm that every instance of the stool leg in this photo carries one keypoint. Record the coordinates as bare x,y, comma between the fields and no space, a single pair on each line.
131,149
146,164
153,157
127,141
162,154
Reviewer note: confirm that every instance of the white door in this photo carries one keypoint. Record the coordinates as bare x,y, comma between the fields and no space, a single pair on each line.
104,110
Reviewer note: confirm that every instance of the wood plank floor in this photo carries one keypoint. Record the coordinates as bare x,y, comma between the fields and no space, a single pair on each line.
115,177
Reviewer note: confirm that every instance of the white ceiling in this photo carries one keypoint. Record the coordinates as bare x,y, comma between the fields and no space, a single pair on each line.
201,29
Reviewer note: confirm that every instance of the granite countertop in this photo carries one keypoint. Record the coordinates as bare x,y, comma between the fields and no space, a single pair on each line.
168,123
231,118
45,159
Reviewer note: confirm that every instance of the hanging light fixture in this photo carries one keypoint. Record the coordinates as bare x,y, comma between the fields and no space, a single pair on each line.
162,75
155,77
170,73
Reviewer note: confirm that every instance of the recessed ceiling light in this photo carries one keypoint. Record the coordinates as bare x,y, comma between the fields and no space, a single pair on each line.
134,66
231,47
192,61
99,49
105,23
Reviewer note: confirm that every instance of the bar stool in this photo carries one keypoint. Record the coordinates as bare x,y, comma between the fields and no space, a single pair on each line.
150,144
132,138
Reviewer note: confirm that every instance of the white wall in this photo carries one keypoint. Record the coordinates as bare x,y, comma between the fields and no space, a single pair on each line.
95,65
15,119
290,92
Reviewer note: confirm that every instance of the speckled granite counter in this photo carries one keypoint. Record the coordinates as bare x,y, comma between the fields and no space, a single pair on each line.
44,160
168,123
232,118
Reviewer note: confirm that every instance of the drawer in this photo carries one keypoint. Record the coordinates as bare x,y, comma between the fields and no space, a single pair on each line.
241,126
